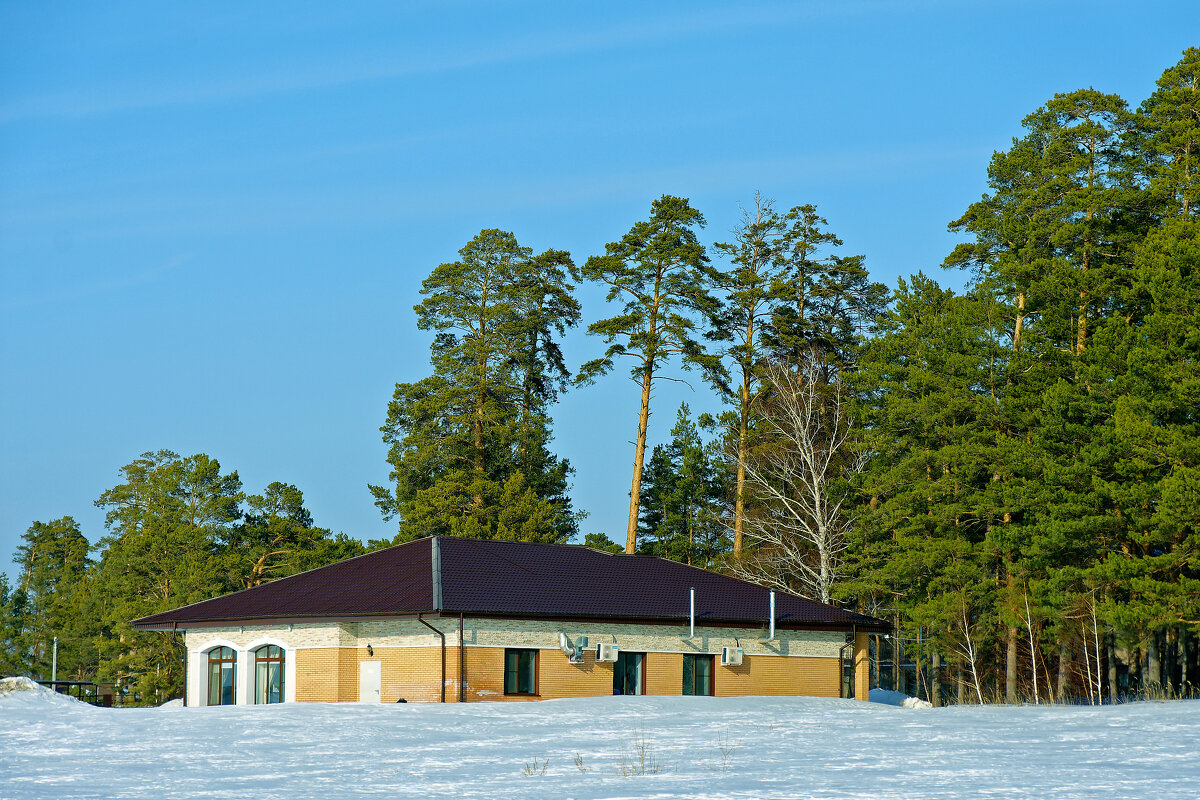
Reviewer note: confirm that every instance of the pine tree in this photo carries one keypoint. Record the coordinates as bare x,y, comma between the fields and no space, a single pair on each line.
54,581
751,293
276,538
1169,138
827,302
917,554
660,272
166,522
682,497
465,439
1147,564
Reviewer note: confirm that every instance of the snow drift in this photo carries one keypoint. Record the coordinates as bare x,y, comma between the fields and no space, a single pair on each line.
29,693
684,747
893,698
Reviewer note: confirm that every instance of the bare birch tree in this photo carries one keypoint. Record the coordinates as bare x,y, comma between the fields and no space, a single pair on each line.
797,537
967,648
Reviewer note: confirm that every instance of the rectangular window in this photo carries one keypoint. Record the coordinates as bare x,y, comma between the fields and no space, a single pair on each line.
697,675
629,673
520,671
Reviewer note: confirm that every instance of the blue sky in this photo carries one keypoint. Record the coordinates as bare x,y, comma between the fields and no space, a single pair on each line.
215,218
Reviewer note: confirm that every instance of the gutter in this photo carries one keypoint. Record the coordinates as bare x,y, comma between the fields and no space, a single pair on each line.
443,637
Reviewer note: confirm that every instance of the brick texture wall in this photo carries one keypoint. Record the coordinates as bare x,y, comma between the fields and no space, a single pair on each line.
327,658
327,675
815,677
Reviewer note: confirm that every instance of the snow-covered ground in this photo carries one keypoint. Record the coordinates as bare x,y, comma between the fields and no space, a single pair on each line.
691,747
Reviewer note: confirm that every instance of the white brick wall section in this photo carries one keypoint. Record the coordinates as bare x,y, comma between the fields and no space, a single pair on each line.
244,641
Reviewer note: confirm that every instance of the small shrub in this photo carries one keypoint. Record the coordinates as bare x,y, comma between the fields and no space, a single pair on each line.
725,746
637,755
536,767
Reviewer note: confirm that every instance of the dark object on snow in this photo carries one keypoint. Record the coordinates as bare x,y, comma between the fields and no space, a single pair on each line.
401,700
96,694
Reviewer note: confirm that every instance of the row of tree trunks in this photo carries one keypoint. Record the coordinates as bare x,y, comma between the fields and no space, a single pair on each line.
1168,660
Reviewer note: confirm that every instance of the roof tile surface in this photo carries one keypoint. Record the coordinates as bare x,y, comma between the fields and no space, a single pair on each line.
512,579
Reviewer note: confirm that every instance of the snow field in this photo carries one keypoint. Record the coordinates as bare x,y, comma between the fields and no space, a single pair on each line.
52,747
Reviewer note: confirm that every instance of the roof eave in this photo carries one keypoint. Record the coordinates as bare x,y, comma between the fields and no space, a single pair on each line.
145,624
871,626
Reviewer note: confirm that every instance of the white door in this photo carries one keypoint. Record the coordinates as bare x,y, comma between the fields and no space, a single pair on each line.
368,682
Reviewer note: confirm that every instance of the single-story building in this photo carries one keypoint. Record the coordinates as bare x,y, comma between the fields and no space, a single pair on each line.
453,619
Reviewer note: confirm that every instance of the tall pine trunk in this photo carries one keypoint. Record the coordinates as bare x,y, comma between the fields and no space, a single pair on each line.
1185,677
1010,667
1153,662
935,679
1111,646
639,454
1064,667
739,510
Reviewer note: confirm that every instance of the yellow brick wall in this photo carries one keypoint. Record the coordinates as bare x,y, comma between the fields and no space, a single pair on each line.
814,677
664,673
757,675
410,662
331,674
862,667
318,679
557,677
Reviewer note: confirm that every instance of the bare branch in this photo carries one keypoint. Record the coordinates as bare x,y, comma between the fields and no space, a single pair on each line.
798,531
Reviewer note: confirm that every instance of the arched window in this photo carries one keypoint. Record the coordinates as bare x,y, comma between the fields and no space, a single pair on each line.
268,674
222,676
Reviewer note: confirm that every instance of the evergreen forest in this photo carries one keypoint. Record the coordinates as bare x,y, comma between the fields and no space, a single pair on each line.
1007,470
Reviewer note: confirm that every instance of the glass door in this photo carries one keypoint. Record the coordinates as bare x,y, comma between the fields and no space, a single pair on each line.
629,674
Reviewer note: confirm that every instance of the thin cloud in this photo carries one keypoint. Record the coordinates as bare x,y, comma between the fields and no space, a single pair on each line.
530,48
385,203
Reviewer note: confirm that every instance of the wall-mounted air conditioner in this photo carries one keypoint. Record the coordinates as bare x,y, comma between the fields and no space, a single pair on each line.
607,652
731,656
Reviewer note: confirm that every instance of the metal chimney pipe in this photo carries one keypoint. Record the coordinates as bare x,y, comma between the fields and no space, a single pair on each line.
772,636
692,613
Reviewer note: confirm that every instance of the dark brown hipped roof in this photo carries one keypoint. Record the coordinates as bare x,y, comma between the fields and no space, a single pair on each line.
510,579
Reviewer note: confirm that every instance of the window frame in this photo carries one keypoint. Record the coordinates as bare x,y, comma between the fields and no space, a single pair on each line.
534,654
695,659
281,660
216,657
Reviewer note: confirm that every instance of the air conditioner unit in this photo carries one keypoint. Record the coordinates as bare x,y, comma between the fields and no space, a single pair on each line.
731,656
607,652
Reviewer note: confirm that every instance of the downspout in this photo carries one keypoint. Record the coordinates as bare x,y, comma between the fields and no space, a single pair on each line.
854,651
443,637
435,559
462,662
853,661
842,664
174,633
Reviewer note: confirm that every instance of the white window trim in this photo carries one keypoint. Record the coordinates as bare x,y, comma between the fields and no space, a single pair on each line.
289,668
197,693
